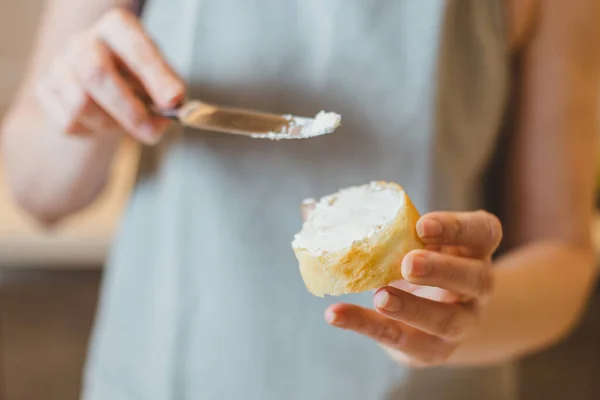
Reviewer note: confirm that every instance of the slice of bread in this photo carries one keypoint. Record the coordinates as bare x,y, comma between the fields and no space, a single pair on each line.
355,240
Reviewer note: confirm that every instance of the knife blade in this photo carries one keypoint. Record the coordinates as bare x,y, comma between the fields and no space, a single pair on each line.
255,124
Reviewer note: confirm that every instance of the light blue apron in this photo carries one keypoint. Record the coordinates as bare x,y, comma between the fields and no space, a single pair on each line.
202,298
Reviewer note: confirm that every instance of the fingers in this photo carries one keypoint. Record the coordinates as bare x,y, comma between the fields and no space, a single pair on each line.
428,329
448,321
86,92
469,277
479,232
124,35
417,345
50,100
80,108
96,72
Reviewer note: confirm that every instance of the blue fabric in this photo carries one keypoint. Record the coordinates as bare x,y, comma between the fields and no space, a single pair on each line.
202,298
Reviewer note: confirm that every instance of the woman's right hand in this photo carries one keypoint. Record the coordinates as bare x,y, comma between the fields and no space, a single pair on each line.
86,89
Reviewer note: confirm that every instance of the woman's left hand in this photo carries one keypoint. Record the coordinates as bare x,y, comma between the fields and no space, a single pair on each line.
424,318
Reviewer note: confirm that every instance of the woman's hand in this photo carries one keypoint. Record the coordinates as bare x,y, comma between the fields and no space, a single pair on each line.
89,88
423,319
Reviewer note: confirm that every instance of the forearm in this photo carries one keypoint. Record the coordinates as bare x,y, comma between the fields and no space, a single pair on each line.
540,292
50,173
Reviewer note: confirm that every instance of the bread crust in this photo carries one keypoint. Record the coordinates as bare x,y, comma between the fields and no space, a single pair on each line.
368,264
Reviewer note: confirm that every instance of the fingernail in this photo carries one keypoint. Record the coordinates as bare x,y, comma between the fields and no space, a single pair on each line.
172,93
382,299
330,316
429,228
417,265
148,133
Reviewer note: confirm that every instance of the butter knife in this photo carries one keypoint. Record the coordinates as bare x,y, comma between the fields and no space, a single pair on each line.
255,124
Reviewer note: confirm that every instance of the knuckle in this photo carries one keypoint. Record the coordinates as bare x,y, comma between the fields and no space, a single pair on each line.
50,107
79,102
67,123
69,120
95,67
73,95
80,106
449,274
96,74
360,324
484,283
390,335
49,82
79,49
457,228
414,311
448,326
72,121
117,15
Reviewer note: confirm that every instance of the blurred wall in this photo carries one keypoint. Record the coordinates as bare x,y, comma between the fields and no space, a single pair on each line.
48,280
18,19
43,337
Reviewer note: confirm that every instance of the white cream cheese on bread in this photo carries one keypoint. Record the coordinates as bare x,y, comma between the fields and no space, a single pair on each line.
352,214
355,240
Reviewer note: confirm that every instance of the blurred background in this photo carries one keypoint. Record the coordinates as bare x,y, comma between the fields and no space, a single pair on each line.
49,280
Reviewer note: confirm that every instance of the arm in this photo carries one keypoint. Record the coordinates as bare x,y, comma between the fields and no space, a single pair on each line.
543,284
452,307
67,173
60,135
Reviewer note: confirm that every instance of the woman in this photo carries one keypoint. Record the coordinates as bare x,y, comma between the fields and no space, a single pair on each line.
202,298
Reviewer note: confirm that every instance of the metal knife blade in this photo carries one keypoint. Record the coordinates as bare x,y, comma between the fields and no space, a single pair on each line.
204,116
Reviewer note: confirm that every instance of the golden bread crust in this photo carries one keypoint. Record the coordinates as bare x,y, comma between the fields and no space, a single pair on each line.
368,264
